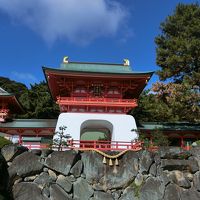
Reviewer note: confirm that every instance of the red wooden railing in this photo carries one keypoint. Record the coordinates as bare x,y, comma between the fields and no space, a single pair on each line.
99,100
84,144
104,145
100,145
31,145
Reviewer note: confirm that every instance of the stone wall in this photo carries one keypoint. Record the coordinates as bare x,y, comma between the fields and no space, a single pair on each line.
169,174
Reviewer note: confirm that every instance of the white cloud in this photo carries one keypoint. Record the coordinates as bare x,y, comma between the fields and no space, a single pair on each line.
24,76
79,21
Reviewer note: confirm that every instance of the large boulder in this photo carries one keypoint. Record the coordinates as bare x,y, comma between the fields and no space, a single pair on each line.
110,177
146,160
30,191
120,176
64,183
25,164
153,189
190,194
4,178
93,166
172,192
172,153
10,151
82,190
164,177
195,151
62,161
196,181
153,169
98,195
178,177
43,180
77,169
57,193
129,194
182,165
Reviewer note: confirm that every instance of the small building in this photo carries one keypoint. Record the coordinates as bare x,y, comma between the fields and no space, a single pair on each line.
9,105
29,131
179,134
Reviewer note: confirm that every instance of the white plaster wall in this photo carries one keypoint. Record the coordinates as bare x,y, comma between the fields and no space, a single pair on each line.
122,124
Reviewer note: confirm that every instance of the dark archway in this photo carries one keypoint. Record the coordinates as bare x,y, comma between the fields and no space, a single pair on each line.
96,130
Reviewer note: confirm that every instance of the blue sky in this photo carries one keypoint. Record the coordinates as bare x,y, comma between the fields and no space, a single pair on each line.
38,33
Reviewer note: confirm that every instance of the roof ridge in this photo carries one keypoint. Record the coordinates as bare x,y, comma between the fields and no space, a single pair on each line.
96,63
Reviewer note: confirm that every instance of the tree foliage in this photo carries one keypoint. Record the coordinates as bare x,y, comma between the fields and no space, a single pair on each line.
158,138
36,101
178,47
178,56
182,101
152,109
170,102
12,86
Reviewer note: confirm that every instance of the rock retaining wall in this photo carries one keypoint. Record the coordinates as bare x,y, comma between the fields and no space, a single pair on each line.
169,174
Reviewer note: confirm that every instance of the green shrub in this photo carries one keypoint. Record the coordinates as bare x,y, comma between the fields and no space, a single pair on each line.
197,142
137,189
4,141
158,138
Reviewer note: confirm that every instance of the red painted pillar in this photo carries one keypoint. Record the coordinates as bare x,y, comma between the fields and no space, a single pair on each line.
182,142
151,141
20,139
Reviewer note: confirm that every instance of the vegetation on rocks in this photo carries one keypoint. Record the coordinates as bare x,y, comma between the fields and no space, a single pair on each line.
4,141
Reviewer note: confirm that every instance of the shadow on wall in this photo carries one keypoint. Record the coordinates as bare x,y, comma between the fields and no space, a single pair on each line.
5,194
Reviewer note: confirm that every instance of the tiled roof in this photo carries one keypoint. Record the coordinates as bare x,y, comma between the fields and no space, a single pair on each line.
30,123
181,126
96,67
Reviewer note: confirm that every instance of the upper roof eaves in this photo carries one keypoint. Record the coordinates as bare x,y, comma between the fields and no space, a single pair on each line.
97,68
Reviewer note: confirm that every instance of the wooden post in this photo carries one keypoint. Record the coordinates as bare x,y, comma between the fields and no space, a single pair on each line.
182,142
20,139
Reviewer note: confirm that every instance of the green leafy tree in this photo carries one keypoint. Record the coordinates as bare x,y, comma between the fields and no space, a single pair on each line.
182,101
178,55
151,109
158,138
38,102
170,102
178,46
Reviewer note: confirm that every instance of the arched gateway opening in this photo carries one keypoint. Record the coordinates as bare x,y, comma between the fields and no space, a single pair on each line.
96,130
